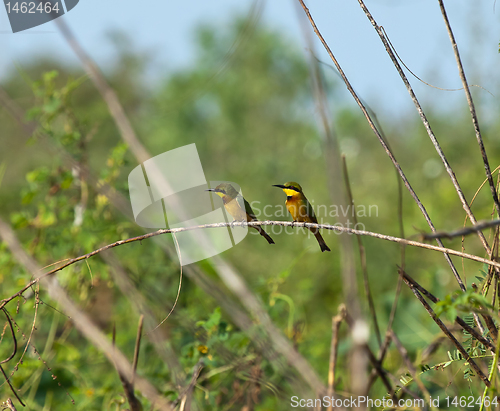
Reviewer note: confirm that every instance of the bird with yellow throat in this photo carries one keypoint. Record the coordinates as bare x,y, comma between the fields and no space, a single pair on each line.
300,209
238,207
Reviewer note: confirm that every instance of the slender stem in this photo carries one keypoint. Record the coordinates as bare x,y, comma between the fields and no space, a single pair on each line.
137,348
463,231
336,321
472,108
362,256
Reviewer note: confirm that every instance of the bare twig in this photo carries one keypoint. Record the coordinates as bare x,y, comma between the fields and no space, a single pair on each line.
14,340
7,380
243,224
420,289
137,348
362,256
185,396
472,108
463,231
290,355
128,386
178,289
336,321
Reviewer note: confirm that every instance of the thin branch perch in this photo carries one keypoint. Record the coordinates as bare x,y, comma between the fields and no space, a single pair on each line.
251,224
463,231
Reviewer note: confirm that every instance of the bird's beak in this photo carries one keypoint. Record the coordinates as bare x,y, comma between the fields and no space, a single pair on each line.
279,186
210,189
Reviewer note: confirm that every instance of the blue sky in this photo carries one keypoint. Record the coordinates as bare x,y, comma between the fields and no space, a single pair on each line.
415,27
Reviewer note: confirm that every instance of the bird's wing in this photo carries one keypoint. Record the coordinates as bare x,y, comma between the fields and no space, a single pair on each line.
245,206
310,213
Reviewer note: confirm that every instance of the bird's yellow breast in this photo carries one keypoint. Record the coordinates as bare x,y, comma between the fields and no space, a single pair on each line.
297,207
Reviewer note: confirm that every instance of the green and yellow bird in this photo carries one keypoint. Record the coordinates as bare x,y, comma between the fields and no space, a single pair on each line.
300,209
238,207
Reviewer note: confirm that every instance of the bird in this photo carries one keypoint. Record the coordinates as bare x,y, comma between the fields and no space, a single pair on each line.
238,207
300,209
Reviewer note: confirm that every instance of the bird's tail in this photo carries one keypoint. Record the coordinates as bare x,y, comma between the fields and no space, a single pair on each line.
264,234
320,239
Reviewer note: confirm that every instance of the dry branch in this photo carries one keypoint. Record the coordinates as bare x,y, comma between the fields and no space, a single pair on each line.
472,108
237,282
463,231
362,256
336,321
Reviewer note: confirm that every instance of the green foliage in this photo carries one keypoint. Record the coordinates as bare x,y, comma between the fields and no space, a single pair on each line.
462,302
